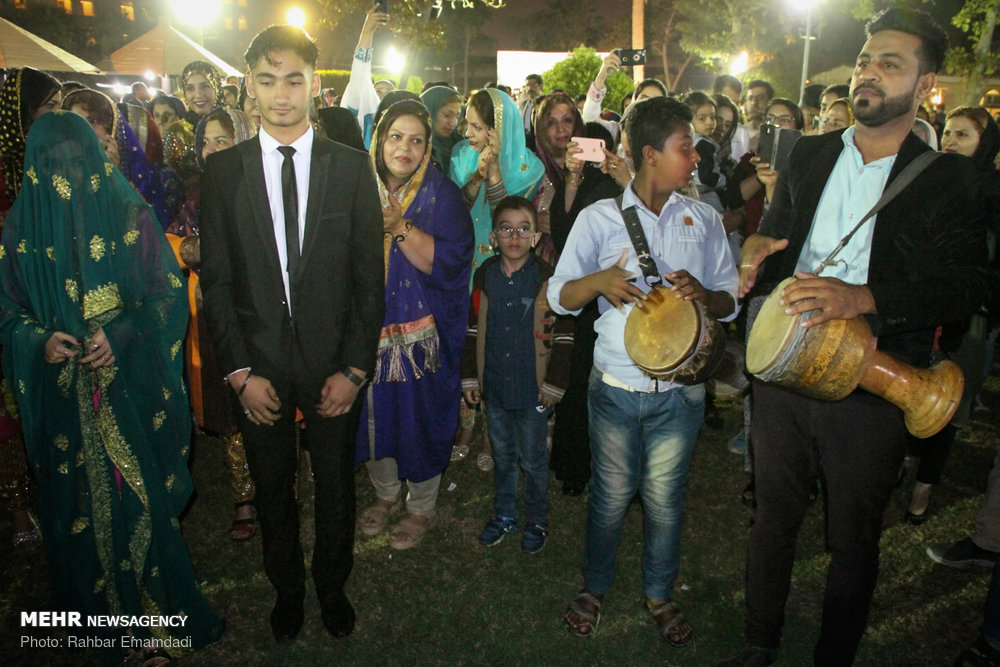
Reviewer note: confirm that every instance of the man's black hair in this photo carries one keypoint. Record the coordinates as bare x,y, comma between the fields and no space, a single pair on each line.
281,38
812,94
536,77
934,41
724,80
760,83
838,89
651,121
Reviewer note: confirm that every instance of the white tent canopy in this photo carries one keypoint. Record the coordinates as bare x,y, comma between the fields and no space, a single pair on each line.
164,50
20,48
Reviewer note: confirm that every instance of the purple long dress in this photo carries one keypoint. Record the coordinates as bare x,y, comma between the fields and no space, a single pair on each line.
411,409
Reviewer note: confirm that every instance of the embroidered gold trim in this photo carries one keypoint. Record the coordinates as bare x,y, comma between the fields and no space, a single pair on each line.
79,525
72,290
3,252
174,349
62,186
95,182
61,442
175,282
131,237
101,300
30,173
65,379
97,248
158,420
50,252
108,168
22,247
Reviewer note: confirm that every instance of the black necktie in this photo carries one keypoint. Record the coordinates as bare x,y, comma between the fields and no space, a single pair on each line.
290,197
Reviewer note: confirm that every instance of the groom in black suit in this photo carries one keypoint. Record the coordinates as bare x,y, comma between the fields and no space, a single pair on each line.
292,276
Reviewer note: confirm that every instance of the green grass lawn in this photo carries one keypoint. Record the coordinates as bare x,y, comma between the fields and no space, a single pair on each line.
452,602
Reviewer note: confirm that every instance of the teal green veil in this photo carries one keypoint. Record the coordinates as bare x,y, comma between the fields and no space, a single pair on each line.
521,170
81,251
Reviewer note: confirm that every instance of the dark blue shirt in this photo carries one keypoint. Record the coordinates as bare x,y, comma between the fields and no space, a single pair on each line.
509,375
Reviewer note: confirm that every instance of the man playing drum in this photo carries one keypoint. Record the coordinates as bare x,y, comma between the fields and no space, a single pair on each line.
642,430
919,262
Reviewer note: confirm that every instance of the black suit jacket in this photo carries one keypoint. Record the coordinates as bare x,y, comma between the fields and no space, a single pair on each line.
928,253
337,290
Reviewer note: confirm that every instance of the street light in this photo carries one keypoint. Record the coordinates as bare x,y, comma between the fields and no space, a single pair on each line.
296,17
809,5
395,60
739,64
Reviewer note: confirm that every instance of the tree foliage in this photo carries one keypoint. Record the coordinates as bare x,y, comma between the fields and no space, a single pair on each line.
978,19
575,74
561,24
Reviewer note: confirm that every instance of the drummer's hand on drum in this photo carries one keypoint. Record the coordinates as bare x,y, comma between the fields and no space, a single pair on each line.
831,297
613,283
685,286
756,249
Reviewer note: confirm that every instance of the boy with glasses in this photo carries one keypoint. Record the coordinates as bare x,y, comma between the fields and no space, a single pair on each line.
507,363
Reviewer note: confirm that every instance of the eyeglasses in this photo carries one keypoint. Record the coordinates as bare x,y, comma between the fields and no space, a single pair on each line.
505,232
780,121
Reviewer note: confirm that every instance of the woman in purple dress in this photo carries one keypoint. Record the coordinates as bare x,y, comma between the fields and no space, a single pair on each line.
411,408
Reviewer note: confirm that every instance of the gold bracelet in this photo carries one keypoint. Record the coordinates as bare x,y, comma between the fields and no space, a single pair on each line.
574,179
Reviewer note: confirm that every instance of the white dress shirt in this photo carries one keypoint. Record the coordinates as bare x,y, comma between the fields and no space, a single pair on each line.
687,234
302,159
850,192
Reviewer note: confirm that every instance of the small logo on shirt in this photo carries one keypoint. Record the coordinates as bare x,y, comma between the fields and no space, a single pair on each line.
688,221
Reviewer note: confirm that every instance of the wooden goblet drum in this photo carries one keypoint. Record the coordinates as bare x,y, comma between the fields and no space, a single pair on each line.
831,360
673,339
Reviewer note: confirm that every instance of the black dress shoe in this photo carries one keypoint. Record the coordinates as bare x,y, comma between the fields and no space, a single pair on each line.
573,487
338,615
286,618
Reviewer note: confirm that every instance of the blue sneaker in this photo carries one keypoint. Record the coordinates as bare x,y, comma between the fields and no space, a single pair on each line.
533,537
495,530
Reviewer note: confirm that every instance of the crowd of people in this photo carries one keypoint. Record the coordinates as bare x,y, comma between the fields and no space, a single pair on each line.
379,277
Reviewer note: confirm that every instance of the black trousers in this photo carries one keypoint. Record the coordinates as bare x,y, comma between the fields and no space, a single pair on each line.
273,462
859,443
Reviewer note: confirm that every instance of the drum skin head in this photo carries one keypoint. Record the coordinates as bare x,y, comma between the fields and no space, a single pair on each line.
662,335
772,331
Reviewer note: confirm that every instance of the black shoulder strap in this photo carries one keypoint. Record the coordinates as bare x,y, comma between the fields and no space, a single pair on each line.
910,172
638,239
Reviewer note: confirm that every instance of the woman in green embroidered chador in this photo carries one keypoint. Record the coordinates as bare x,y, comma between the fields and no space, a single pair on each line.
92,317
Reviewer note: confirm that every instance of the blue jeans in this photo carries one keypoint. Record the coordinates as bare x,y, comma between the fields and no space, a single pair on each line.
518,439
639,442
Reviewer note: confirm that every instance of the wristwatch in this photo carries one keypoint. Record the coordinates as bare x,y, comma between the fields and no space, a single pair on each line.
356,380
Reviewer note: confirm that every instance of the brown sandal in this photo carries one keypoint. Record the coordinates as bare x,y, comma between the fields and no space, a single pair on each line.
587,606
670,621
410,531
375,517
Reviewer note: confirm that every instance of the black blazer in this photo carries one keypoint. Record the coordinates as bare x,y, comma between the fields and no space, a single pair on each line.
337,290
928,255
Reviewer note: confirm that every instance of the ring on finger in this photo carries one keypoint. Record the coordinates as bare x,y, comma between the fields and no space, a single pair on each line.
247,413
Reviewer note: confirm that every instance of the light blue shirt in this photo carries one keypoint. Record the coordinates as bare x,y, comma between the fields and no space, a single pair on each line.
686,235
850,192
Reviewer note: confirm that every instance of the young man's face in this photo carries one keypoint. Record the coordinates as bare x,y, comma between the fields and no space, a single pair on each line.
756,102
283,89
509,231
887,83
673,167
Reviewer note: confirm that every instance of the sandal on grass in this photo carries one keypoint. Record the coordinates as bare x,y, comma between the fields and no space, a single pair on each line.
409,532
587,607
155,658
375,517
670,621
